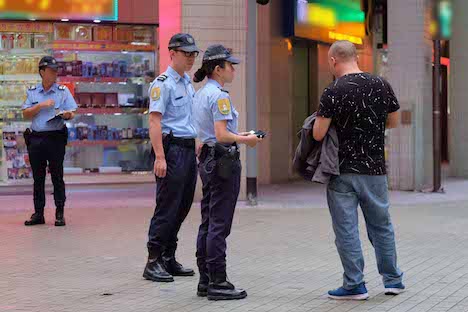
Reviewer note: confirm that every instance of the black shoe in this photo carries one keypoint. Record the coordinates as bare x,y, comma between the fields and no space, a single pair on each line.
36,219
202,290
155,271
59,219
221,289
60,222
176,269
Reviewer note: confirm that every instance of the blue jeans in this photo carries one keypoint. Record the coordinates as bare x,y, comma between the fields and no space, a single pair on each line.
344,194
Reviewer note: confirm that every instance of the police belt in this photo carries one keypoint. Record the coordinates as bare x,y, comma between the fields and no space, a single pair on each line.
219,150
188,143
43,134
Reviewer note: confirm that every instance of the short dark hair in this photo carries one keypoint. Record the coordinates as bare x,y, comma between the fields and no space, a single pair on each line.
41,68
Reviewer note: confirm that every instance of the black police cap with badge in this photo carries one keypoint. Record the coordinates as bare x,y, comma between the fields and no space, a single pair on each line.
183,42
48,61
219,52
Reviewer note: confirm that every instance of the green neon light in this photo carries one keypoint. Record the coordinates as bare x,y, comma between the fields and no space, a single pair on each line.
345,10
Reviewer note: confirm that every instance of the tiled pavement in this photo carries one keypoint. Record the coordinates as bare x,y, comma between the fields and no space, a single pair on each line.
283,256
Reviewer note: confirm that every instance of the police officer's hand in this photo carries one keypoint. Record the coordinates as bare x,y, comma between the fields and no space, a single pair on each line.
198,149
251,140
160,167
48,103
67,115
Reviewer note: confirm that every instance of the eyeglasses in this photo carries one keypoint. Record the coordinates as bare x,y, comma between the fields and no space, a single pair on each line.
189,54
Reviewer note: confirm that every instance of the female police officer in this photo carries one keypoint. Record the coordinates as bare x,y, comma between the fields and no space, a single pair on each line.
216,121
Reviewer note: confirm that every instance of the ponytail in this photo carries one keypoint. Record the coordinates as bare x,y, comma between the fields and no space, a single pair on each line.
207,69
200,74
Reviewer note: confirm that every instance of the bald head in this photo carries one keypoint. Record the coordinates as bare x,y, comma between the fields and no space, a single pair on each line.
343,51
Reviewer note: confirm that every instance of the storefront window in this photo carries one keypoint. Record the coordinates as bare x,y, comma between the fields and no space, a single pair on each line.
104,68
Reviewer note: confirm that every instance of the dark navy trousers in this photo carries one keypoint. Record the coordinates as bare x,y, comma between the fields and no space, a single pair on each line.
47,151
174,197
217,212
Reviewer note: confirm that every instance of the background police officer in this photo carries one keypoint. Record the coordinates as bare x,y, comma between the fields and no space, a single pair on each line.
47,138
173,139
216,120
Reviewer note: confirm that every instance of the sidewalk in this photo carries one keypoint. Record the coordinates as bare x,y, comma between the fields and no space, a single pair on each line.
300,195
282,252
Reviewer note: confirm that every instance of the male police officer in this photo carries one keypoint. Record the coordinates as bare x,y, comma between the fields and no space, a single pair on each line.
47,138
173,138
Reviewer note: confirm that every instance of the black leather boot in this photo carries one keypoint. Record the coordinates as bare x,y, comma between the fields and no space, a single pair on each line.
221,289
59,218
202,288
36,218
175,268
155,271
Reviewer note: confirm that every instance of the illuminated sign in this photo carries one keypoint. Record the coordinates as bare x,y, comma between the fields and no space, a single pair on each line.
325,20
106,10
441,23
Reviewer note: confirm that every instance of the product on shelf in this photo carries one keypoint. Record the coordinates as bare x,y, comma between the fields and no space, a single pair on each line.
82,132
13,65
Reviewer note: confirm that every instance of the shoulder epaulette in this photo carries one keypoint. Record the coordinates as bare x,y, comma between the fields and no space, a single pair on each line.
32,88
224,91
162,77
62,88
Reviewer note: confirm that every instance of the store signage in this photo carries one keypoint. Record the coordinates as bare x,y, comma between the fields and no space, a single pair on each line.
326,20
26,27
59,9
441,22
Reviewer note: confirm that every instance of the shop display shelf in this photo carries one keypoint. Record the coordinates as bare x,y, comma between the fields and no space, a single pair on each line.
75,79
59,45
110,111
106,143
23,52
21,77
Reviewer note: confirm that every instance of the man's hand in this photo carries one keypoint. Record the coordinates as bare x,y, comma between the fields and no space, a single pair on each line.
48,103
67,115
198,149
160,167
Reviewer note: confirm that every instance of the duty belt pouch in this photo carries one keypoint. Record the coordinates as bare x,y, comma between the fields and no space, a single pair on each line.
167,141
226,159
27,136
64,135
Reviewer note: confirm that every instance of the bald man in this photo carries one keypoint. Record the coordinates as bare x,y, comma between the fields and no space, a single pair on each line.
360,106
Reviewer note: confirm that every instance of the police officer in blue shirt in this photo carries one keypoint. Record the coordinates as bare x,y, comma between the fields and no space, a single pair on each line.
47,138
216,120
173,138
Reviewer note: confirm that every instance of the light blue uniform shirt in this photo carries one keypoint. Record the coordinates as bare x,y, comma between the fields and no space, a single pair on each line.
212,104
63,99
172,96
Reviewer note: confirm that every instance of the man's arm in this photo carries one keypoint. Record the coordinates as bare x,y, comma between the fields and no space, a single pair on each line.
392,120
321,127
31,112
160,165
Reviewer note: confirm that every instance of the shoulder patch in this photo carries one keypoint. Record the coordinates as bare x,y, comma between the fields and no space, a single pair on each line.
224,106
162,77
155,93
32,88
62,87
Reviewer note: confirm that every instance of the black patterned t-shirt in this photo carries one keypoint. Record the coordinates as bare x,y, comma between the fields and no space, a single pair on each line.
358,105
